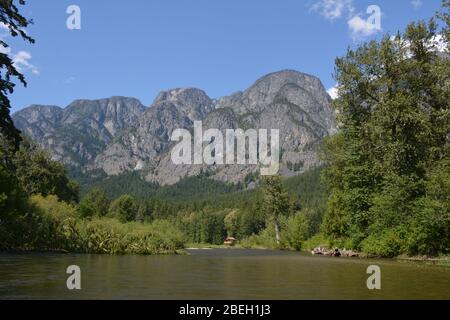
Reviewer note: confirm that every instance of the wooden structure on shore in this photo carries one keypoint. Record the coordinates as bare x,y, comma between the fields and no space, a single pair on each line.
229,241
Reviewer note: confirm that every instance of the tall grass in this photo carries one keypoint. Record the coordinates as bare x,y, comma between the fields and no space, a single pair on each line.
51,225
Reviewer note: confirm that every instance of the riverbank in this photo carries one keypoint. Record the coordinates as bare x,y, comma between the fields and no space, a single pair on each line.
439,260
443,261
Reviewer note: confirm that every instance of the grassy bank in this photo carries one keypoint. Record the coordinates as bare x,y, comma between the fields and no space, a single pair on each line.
51,225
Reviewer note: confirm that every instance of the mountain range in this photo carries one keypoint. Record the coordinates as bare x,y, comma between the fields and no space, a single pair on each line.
119,134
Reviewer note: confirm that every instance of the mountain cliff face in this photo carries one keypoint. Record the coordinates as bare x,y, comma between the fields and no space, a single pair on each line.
77,134
119,134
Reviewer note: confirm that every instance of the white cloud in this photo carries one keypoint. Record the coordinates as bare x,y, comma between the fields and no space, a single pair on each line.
439,43
360,28
3,26
333,92
4,32
416,3
333,9
21,61
5,50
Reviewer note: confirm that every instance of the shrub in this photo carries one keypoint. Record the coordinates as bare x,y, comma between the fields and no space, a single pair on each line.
387,244
294,231
95,203
319,240
265,239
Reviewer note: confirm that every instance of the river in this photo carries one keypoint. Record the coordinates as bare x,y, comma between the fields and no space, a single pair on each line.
217,274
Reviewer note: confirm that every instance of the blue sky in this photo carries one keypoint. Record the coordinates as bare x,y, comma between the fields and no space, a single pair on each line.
140,47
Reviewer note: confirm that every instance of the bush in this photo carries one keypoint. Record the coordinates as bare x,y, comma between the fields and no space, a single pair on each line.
387,244
319,240
265,239
294,231
94,203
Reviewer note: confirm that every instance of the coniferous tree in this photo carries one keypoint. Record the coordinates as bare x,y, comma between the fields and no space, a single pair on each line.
16,24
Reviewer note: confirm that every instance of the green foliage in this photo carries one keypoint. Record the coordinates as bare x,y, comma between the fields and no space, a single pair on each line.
387,244
308,191
430,224
392,150
295,230
196,187
13,204
266,239
124,208
276,201
94,203
231,222
55,225
38,174
203,227
112,237
318,240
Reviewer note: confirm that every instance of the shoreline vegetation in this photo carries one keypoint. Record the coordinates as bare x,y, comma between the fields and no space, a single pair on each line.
443,261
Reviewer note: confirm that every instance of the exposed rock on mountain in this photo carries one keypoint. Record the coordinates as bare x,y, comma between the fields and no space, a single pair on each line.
78,133
119,134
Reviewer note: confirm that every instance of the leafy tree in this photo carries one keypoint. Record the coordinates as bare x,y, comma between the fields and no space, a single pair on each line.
394,114
38,174
276,201
16,24
124,208
94,203
13,204
296,231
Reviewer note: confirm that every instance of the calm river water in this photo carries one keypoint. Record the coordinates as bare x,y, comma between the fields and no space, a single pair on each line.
217,274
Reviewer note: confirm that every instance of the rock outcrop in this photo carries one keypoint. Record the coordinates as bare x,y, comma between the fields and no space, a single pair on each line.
119,134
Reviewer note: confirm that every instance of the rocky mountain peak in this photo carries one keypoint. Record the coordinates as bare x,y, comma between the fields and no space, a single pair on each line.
119,134
185,99
37,112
